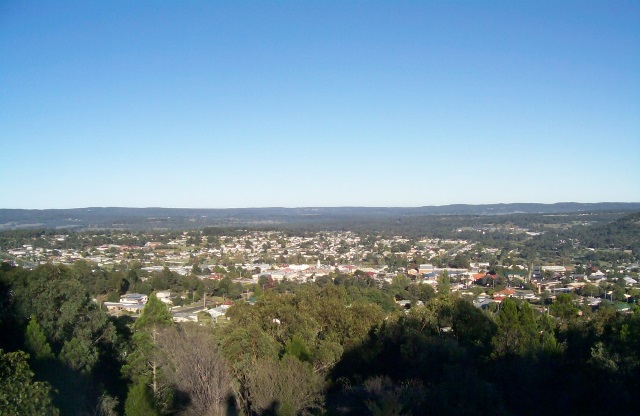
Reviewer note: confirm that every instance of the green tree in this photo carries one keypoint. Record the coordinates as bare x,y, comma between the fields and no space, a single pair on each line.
78,356
398,287
517,330
132,276
422,291
563,307
402,281
460,261
471,326
297,348
444,283
62,307
36,341
139,401
118,283
77,331
142,363
19,394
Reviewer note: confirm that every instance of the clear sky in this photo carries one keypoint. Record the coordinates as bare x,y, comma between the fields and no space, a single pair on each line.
216,104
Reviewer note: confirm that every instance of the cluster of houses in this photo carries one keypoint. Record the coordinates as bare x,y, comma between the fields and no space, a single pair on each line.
281,257
272,247
465,281
134,303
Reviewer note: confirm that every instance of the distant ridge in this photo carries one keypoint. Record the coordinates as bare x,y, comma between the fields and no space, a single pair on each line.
177,218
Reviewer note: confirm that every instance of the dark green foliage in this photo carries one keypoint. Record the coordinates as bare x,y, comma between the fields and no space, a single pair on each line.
493,366
307,331
296,348
78,356
113,297
58,319
141,361
517,330
422,292
343,337
424,368
155,314
384,398
563,307
444,283
19,393
61,306
472,327
139,401
36,342
10,328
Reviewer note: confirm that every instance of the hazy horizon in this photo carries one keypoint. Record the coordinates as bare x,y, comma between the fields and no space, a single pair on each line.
325,207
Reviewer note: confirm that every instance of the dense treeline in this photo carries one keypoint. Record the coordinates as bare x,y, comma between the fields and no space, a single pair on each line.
513,363
497,228
181,219
73,346
339,346
610,239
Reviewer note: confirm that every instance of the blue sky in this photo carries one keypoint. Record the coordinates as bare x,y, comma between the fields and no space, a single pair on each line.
218,104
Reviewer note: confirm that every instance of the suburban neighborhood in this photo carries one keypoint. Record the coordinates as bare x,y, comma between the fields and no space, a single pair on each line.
251,259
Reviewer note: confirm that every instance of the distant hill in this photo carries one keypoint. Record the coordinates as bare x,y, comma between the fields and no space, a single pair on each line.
186,218
623,233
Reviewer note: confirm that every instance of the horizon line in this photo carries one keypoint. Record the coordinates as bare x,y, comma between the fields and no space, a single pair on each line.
327,206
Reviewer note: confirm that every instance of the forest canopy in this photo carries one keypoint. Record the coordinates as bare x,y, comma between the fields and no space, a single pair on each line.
316,348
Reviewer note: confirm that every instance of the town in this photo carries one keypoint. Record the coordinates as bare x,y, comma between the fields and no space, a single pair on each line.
357,320
230,267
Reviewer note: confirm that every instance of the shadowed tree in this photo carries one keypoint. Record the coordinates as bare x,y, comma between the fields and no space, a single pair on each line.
194,367
471,326
19,394
288,384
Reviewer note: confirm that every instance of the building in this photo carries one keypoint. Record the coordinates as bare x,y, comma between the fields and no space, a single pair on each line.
134,298
426,269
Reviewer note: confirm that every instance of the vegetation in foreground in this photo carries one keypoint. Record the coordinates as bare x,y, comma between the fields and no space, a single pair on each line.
332,347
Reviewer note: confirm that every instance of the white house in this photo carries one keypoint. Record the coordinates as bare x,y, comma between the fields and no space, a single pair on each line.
165,297
134,298
218,312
